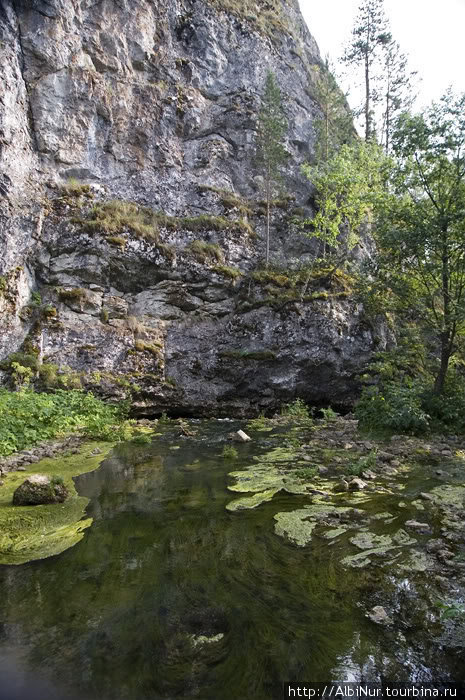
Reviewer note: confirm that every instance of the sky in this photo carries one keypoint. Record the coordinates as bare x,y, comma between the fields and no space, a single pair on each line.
432,34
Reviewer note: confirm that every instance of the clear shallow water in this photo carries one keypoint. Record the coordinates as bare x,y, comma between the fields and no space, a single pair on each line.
119,615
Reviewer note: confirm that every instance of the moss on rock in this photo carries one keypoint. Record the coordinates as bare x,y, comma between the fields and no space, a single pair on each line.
29,533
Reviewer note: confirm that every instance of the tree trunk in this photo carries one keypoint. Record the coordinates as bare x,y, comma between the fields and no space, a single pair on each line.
367,98
447,332
268,197
445,357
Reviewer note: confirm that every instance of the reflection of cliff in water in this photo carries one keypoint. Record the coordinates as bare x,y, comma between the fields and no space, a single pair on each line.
170,595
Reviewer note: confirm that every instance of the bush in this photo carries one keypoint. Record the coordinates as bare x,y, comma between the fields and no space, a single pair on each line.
298,409
28,418
229,452
447,411
396,406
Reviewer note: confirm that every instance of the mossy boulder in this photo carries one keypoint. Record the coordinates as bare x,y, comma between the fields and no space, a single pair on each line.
40,489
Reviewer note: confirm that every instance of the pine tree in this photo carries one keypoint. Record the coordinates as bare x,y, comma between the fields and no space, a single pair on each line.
334,127
271,154
369,35
398,89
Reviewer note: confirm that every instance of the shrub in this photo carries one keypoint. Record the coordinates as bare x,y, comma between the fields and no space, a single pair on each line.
48,374
28,417
25,359
297,409
362,464
74,294
74,188
329,414
229,452
49,311
396,406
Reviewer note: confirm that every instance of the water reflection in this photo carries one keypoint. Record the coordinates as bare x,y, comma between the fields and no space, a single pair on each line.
169,595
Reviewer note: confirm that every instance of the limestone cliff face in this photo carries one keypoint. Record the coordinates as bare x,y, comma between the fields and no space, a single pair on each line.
156,103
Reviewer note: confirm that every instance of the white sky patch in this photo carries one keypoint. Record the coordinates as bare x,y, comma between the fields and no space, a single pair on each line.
431,34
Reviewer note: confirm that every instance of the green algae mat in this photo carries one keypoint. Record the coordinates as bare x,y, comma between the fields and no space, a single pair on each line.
186,587
28,533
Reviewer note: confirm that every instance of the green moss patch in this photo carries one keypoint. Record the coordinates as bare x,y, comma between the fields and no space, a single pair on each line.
298,525
28,533
250,502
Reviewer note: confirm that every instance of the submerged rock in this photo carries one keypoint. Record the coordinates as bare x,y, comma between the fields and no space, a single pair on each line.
415,525
39,489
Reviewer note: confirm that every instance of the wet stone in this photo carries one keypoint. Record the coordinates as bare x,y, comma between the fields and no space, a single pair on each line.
379,616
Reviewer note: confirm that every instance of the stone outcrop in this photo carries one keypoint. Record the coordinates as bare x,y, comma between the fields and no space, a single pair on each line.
39,489
156,103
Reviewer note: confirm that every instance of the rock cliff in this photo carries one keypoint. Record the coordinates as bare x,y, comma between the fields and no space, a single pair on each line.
131,221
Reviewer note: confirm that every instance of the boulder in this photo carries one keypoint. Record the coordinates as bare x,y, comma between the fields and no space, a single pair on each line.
39,489
240,436
379,615
357,484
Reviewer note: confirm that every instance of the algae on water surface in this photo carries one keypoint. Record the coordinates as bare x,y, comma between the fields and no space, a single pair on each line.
28,533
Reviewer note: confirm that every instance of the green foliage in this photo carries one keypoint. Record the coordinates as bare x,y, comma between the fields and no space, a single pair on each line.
75,188
21,376
307,472
334,127
25,359
369,35
36,299
28,418
348,186
142,439
298,409
229,452
421,225
451,610
271,154
49,374
398,90
396,406
363,464
49,311
329,414
75,294
260,423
